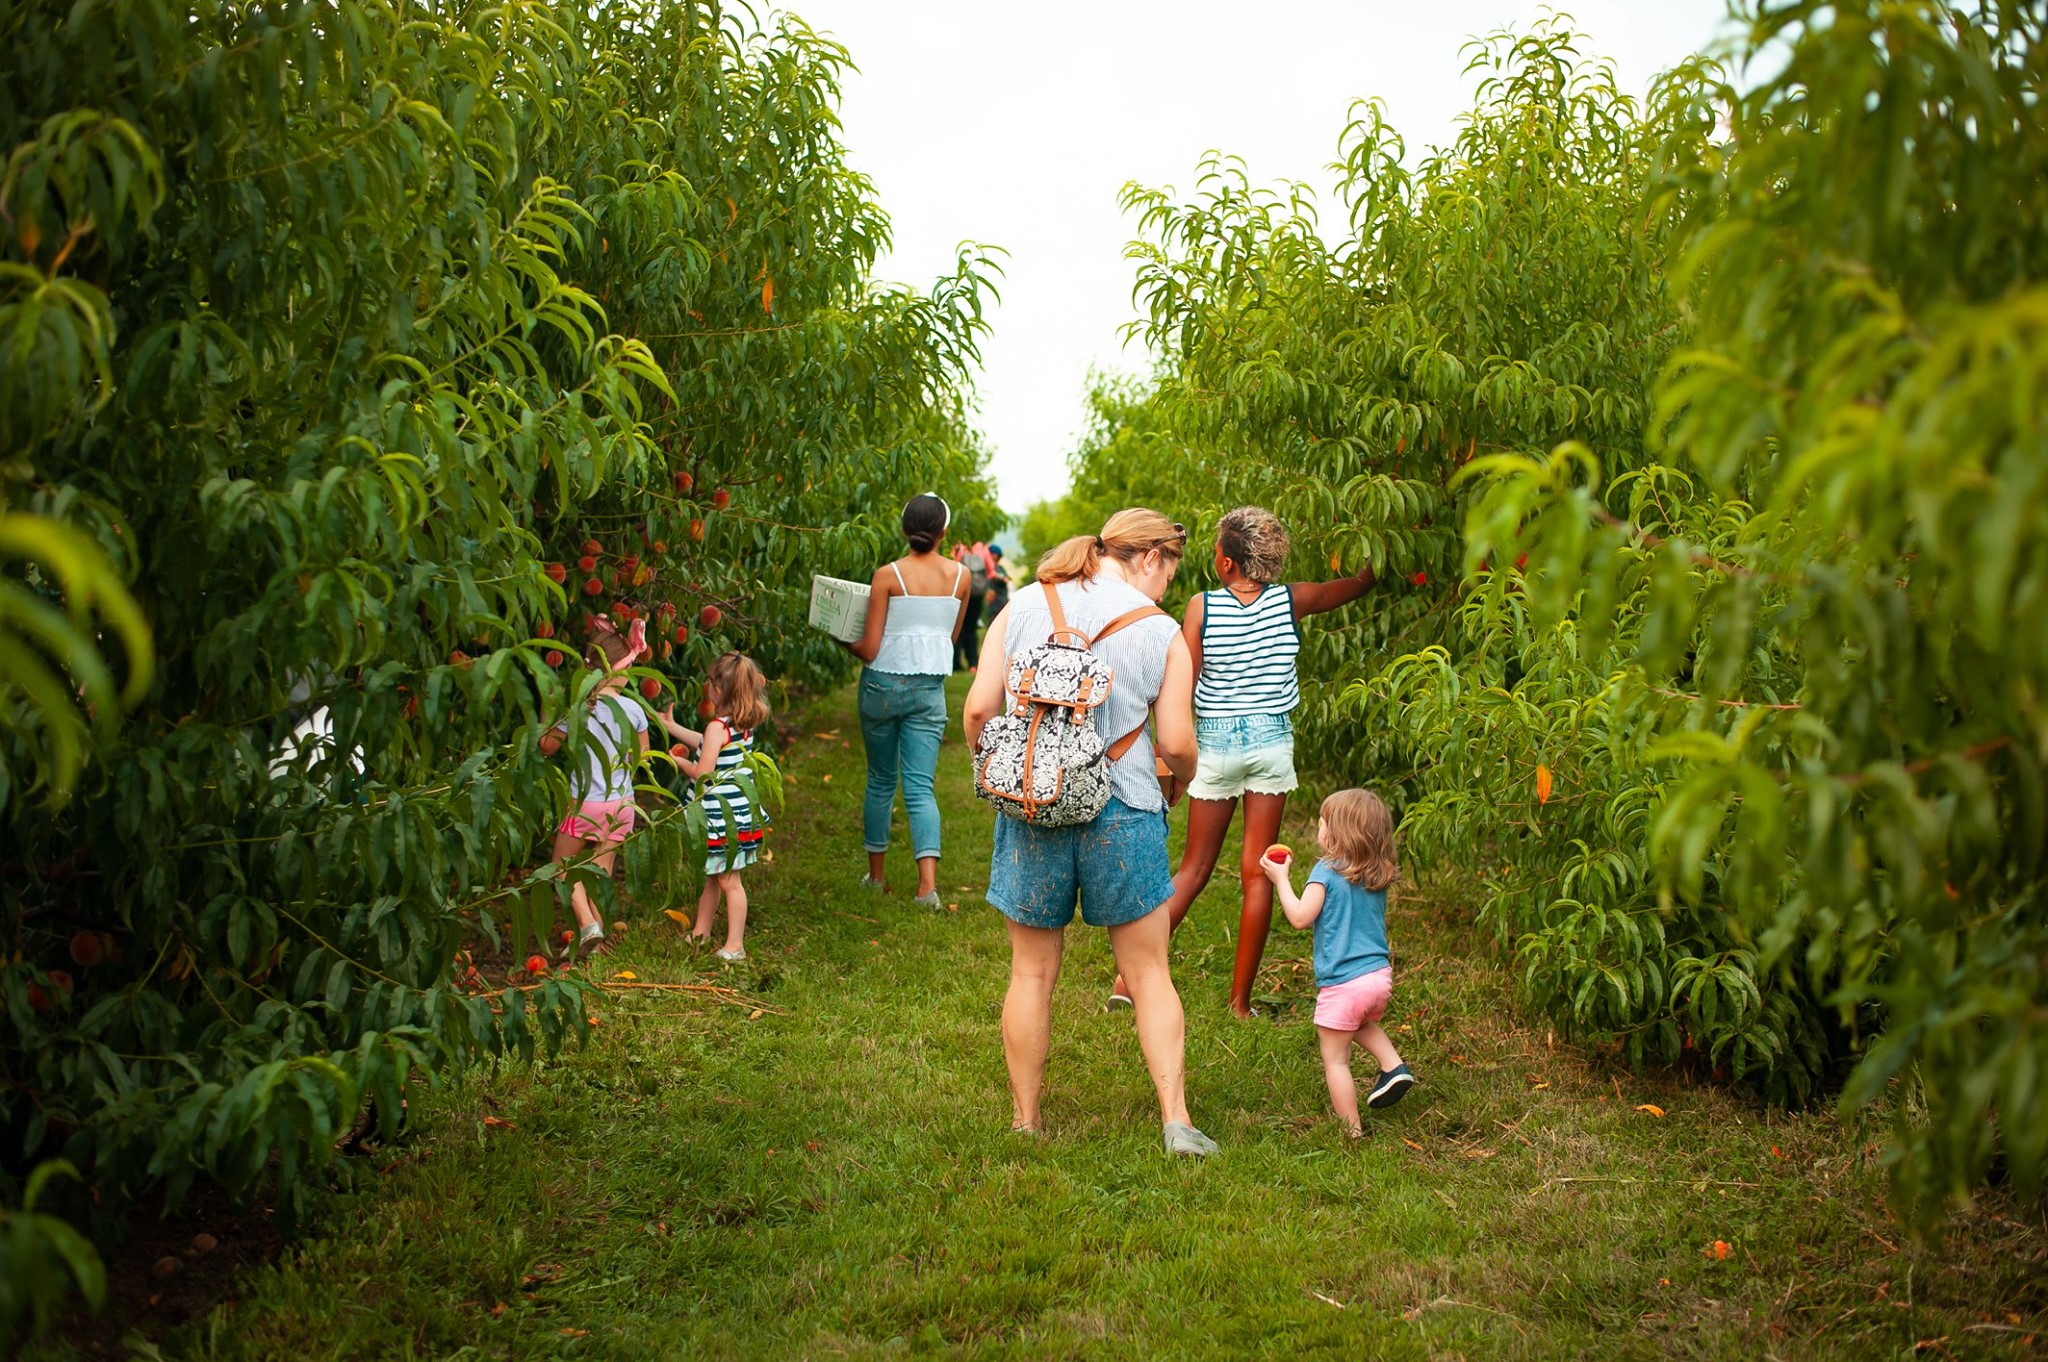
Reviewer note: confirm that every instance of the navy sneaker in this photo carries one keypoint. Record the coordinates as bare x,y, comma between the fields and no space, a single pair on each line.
1392,1087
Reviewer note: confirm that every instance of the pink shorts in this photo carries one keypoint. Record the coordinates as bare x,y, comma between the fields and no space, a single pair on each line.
601,820
1350,1005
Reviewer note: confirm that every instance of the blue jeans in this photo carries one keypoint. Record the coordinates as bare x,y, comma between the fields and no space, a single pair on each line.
902,719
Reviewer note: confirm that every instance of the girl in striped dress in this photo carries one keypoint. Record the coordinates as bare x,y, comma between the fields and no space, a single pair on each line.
737,692
1244,637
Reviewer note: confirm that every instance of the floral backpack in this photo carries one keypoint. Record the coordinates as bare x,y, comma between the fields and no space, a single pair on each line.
1043,763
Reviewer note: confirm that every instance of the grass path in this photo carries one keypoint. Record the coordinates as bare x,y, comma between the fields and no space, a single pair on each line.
833,1178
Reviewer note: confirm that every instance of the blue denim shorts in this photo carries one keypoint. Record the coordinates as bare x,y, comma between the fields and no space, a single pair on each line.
1244,733
1249,754
1116,866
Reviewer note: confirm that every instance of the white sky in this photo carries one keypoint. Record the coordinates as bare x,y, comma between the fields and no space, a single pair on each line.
1017,124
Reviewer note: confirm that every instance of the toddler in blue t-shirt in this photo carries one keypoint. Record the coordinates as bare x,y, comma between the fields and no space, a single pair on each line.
1345,901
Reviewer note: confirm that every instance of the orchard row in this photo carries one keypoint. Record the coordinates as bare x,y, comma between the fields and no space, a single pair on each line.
574,314
1742,758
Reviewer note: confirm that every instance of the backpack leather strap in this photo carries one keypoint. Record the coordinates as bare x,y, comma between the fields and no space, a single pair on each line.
1129,617
1059,619
1123,745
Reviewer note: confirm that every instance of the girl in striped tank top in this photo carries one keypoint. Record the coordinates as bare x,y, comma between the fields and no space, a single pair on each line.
1244,637
734,826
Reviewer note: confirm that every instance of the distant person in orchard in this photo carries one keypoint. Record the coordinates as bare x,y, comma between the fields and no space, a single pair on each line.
735,826
998,584
980,568
1244,636
1104,589
613,733
916,606
1345,905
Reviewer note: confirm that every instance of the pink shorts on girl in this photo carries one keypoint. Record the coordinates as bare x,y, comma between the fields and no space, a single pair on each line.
601,820
1353,1003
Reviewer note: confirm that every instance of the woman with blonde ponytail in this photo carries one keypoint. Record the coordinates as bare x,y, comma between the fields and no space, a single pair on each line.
1115,867
1076,560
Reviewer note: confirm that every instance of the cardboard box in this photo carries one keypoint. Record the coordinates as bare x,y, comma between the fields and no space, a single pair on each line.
839,607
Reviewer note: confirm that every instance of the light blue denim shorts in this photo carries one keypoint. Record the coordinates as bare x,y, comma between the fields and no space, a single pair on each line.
1249,754
1116,866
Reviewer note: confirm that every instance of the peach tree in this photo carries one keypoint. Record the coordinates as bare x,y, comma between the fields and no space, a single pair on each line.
1498,293
1701,432
1501,294
1829,594
356,352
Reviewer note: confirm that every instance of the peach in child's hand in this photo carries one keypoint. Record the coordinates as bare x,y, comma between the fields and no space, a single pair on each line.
1274,864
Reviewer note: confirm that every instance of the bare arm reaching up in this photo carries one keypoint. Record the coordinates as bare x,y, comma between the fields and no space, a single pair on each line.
1313,598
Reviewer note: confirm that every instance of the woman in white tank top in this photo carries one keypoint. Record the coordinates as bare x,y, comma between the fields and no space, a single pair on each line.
915,606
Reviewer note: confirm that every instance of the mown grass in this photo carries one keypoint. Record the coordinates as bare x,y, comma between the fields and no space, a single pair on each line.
832,1176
